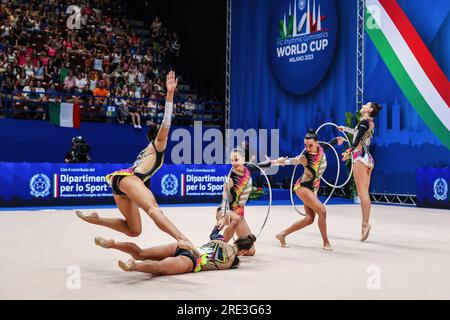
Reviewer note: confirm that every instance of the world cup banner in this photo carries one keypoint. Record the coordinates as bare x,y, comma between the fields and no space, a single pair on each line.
302,37
42,184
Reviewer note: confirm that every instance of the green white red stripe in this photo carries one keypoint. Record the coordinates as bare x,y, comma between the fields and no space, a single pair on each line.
65,114
411,64
183,185
56,185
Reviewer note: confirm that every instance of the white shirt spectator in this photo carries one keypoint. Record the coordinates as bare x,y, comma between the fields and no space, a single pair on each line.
26,92
6,30
141,77
41,91
189,107
152,104
120,101
117,57
157,87
117,73
92,84
138,57
80,83
11,57
148,57
29,72
137,93
131,77
106,58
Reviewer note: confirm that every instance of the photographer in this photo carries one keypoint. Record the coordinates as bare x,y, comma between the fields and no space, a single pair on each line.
79,152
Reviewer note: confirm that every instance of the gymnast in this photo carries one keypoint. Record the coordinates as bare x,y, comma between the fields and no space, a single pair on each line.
131,187
230,214
170,259
315,163
363,163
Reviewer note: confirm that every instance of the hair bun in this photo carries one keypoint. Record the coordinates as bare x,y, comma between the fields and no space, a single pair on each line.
311,131
252,237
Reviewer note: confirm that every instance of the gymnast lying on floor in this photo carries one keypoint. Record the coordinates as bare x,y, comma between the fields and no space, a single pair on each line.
169,259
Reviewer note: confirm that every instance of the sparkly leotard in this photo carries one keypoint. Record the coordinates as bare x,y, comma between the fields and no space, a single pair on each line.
214,255
240,192
114,178
316,165
363,135
242,186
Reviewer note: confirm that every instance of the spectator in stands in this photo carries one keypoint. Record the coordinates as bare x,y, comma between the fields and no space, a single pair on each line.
31,100
156,25
41,108
11,55
69,83
189,107
51,48
93,81
103,49
131,75
39,71
27,89
135,109
116,58
40,89
81,82
98,62
51,93
100,94
29,70
176,46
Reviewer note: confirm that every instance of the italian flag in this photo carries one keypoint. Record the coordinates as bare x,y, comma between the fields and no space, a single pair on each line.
411,64
183,185
65,114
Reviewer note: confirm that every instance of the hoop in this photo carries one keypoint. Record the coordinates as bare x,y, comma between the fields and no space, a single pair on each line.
349,145
293,176
270,195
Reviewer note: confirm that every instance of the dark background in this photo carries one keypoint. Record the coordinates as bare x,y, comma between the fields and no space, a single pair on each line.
201,26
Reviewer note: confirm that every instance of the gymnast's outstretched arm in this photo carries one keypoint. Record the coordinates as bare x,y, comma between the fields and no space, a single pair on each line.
286,161
326,146
161,138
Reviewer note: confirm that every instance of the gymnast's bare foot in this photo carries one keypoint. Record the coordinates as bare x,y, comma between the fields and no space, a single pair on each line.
130,265
327,247
187,245
365,232
102,242
282,239
88,217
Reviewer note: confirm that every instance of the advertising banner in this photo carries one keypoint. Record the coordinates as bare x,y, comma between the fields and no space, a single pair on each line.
72,184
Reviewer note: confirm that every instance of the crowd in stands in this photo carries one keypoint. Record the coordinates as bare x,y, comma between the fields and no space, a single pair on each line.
102,64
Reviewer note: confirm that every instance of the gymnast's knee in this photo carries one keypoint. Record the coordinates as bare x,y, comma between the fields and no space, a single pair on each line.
135,232
153,212
322,212
309,219
235,221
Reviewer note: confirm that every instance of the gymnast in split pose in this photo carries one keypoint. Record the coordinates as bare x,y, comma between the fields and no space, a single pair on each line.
169,259
363,163
131,187
314,161
230,214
